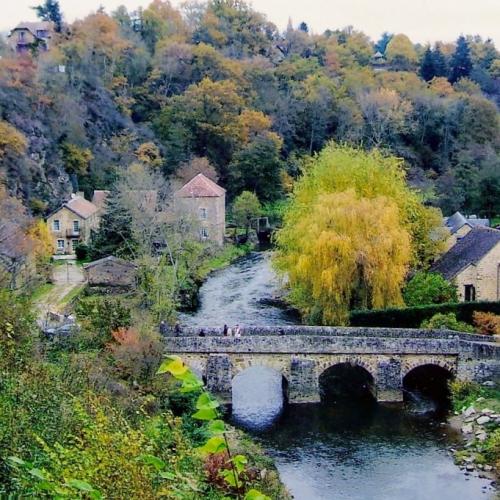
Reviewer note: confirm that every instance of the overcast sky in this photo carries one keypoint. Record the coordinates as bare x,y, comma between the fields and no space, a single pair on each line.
422,20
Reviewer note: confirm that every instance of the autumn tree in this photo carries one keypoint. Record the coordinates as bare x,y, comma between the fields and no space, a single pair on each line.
352,231
347,251
400,52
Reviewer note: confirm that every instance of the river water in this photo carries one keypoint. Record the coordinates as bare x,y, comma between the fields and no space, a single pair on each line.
329,452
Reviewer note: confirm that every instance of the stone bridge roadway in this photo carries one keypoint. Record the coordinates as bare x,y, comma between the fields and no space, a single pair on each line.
301,354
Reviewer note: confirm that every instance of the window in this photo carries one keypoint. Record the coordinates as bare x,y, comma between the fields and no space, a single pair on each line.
76,226
204,233
56,225
60,244
21,35
74,244
470,293
203,213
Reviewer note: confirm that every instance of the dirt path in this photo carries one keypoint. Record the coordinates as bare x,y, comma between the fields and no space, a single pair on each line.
66,277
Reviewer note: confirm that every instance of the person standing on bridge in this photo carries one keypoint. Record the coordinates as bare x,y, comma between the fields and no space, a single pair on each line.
237,331
224,331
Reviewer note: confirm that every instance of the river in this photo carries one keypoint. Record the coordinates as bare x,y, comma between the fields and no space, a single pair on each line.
345,452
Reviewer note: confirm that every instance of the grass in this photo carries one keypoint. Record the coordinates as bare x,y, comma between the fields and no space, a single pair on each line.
69,297
41,290
465,394
224,258
495,221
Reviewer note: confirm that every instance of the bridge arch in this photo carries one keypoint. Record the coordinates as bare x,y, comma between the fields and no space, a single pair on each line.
347,380
428,381
448,364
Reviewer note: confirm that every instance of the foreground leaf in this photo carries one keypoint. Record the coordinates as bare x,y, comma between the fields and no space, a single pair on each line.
256,495
215,444
208,414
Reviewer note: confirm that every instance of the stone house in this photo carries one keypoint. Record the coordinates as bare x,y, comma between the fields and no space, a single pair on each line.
28,36
201,203
111,272
473,263
73,223
459,225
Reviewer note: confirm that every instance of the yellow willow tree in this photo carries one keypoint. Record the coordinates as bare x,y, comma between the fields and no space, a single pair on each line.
350,234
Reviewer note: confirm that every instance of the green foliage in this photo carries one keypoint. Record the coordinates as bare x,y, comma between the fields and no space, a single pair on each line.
461,64
101,316
81,251
412,317
50,11
233,469
76,159
246,207
446,321
428,288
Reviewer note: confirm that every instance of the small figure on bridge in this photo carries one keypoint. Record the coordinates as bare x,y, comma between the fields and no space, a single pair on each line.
202,333
237,331
229,332
224,331
163,327
177,329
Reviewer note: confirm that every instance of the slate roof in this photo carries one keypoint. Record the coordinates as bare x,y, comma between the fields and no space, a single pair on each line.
110,258
468,250
99,197
200,186
457,220
33,27
81,207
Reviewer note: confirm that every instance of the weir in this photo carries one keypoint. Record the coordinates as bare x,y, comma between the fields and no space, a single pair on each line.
303,354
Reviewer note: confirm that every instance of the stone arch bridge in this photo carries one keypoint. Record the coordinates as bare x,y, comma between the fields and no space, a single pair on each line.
301,354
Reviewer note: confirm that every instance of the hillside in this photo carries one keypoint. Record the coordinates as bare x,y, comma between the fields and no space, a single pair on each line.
220,82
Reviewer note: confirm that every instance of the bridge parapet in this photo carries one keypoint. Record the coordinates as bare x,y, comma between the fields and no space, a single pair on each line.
302,354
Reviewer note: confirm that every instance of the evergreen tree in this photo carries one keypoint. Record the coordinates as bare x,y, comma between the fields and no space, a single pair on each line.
461,63
114,236
440,64
381,45
427,68
50,11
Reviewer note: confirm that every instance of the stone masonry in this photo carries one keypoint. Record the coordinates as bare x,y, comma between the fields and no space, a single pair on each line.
302,354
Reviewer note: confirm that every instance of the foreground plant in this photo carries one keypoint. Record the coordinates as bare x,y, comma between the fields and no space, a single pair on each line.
234,471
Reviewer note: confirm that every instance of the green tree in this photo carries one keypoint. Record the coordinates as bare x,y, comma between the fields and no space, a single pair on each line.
381,45
246,207
50,11
428,288
461,63
427,69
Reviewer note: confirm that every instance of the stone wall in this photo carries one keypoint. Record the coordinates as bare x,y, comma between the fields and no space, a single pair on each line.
484,276
301,359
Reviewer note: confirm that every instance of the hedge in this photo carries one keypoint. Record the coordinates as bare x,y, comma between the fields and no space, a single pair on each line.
412,317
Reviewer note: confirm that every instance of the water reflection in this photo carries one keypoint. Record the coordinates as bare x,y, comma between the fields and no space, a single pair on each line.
360,452
258,397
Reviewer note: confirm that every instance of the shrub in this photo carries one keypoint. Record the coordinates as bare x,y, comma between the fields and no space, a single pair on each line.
412,317
446,321
464,393
100,316
429,288
136,355
487,323
81,251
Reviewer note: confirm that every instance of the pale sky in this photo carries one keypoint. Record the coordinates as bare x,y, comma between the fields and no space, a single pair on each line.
422,20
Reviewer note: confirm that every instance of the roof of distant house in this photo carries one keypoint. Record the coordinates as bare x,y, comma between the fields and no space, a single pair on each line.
81,207
457,220
110,258
468,250
200,186
99,197
34,27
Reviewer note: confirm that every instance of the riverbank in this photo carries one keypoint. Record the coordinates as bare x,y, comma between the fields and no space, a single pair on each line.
477,418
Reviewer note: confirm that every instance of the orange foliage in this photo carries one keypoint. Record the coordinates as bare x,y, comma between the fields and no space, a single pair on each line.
487,323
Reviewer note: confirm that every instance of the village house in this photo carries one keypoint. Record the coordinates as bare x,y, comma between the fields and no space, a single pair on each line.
28,36
111,272
459,225
473,263
73,223
202,204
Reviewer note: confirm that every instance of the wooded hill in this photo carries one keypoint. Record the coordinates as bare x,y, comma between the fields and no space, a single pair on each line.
219,81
